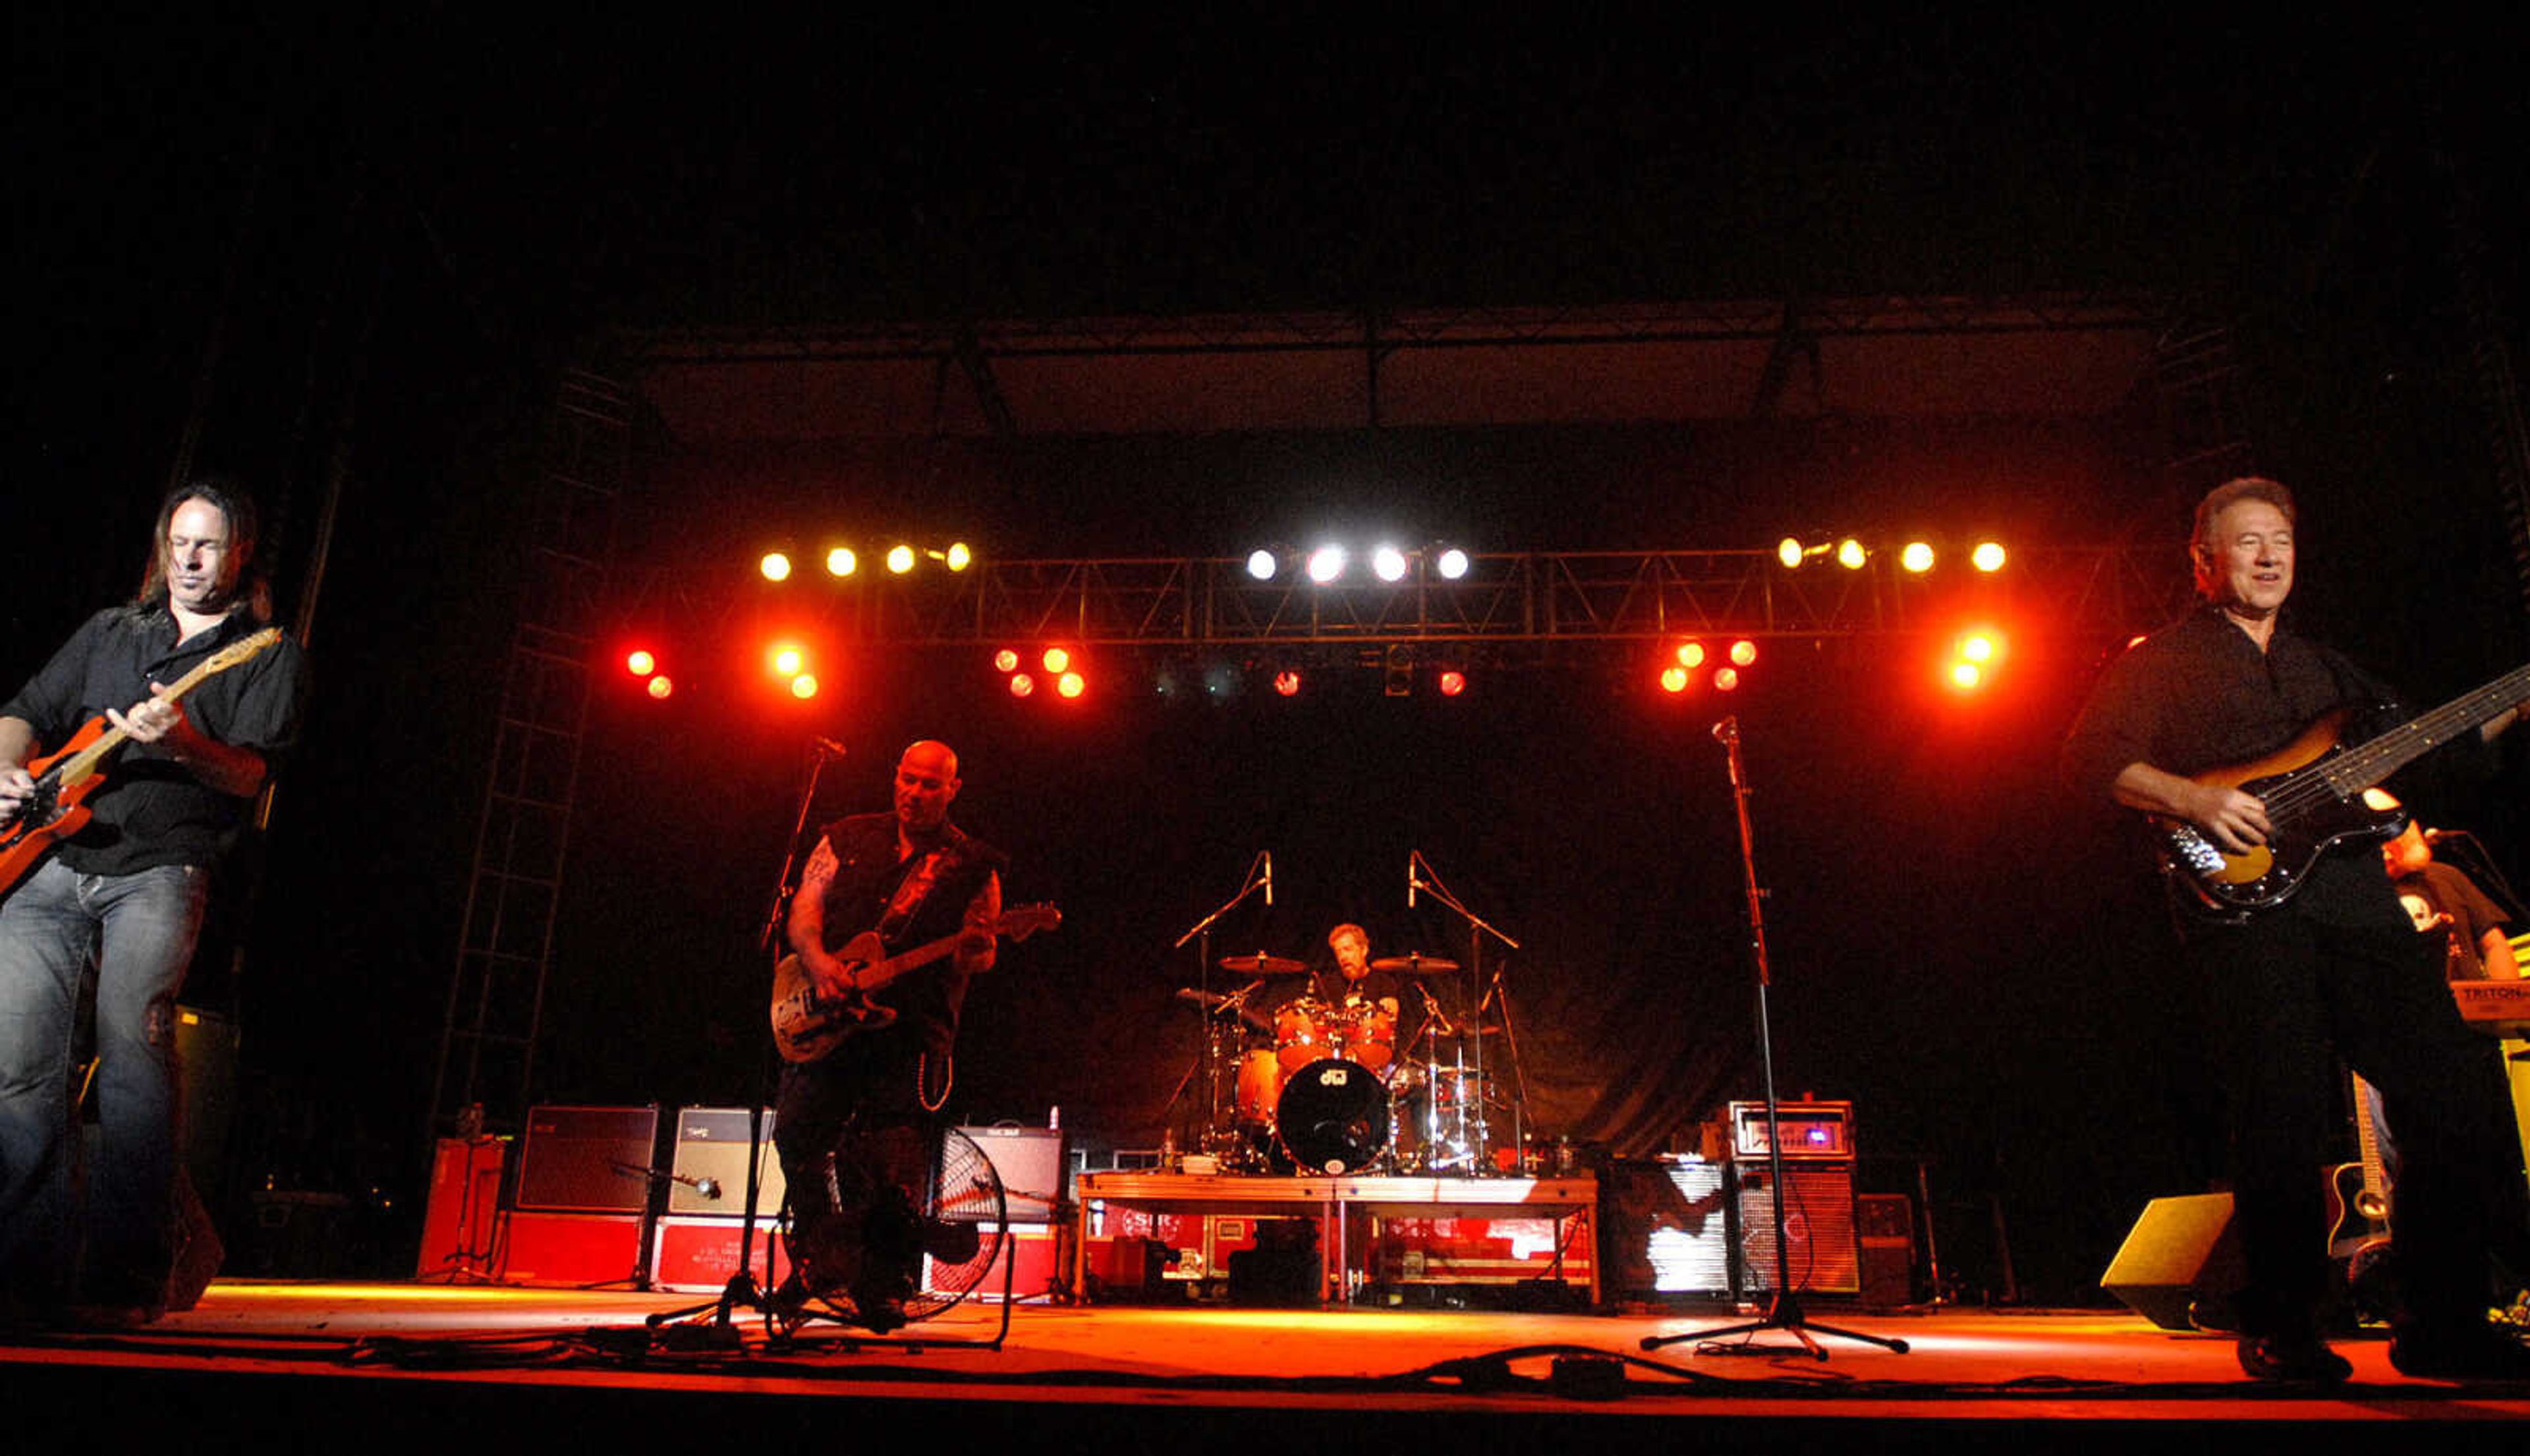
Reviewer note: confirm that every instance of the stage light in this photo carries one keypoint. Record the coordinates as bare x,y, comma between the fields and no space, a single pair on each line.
1674,678
1450,562
1988,556
1789,551
1287,681
1918,556
641,664
804,687
1056,659
1977,647
1726,680
1400,670
1387,563
1022,684
775,565
1743,652
660,686
1071,684
1851,554
1262,564
787,659
1006,661
959,557
1223,680
900,559
1965,676
1326,564
1453,682
1690,654
841,562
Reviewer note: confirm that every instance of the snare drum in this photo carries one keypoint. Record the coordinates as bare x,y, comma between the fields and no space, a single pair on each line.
1300,1033
1333,1117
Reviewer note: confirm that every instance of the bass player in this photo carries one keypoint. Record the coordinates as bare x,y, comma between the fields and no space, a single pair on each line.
2333,967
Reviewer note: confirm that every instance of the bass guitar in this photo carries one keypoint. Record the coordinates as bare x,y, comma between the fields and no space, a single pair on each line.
807,1023
57,807
2313,790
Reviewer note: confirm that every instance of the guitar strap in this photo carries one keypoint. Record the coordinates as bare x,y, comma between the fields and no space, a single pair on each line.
911,892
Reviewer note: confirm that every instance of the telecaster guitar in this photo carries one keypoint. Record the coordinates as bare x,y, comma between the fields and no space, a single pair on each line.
807,1023
2313,790
58,806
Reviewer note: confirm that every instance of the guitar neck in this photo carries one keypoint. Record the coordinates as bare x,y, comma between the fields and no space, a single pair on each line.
83,763
2358,769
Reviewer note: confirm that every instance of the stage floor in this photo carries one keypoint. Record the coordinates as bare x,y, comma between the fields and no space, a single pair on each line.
255,1362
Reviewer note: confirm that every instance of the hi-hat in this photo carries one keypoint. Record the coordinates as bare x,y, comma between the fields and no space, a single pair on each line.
1413,965
1262,965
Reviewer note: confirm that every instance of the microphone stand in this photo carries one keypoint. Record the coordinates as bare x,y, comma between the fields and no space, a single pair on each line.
1783,1307
1480,1149
742,1290
1214,1138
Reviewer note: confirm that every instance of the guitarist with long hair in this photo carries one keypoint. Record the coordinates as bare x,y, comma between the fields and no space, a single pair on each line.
854,1124
178,710
2327,964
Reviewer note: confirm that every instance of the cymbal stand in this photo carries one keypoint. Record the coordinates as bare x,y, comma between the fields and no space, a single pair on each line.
1218,1134
742,1289
1416,869
1783,1307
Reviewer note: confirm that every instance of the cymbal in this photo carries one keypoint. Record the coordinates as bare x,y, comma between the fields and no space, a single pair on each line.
1428,965
1262,965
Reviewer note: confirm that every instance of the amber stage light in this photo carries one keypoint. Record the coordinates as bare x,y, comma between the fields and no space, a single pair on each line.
841,562
1071,684
900,559
1918,556
1988,556
804,687
1851,554
775,565
787,660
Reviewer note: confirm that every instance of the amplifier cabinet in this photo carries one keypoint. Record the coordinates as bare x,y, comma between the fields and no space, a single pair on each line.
1824,1254
1035,1183
711,1144
589,1159
696,1256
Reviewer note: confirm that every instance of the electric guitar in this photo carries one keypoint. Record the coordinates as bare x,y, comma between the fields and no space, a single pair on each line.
57,807
807,1023
2313,790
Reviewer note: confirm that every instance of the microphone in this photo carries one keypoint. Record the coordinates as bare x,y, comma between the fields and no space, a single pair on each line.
707,1187
1269,875
827,746
1411,884
1727,730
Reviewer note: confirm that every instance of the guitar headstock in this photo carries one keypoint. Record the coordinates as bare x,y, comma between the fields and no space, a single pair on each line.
244,648
1022,921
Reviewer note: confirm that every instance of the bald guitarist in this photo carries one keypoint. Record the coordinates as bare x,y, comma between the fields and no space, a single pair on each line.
854,1125
125,887
2331,962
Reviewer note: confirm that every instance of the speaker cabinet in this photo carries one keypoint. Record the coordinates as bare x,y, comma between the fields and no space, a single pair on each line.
1823,1255
573,1250
711,1148
458,1221
587,1159
1884,1223
1029,1162
2179,1267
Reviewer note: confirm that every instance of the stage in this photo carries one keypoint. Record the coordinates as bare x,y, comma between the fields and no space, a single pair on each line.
499,1367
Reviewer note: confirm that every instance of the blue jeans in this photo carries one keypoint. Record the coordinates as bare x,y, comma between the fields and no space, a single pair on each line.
140,930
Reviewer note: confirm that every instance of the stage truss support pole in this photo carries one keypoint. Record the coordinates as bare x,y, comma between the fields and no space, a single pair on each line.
487,1038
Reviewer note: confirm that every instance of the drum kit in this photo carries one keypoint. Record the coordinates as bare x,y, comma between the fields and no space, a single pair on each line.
1324,1086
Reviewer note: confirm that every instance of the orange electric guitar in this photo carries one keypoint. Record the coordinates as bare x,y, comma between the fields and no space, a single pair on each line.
807,1023
63,782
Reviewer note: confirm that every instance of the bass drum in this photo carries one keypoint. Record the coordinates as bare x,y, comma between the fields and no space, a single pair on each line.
1333,1117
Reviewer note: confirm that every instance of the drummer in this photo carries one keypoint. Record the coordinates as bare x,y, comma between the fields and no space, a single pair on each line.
1354,983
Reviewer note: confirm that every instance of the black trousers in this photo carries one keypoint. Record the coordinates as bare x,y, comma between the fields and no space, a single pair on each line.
2287,995
855,1143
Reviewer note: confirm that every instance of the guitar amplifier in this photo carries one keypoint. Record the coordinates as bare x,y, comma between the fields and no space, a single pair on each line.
589,1159
1819,1240
711,1152
1029,1162
1812,1131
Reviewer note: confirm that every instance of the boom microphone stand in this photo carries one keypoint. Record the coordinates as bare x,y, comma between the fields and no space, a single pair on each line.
1216,1137
1784,1308
741,1289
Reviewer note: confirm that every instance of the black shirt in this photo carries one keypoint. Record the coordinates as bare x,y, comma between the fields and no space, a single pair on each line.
151,810
867,872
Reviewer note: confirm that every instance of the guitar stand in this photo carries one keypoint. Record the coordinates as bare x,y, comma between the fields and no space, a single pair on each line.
1784,1305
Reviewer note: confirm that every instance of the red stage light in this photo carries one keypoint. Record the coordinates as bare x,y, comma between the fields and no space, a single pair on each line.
1287,682
641,664
804,687
787,660
1056,660
1726,680
660,686
1966,676
1071,684
1743,652
1022,684
1006,661
1674,678
1690,654
1453,682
